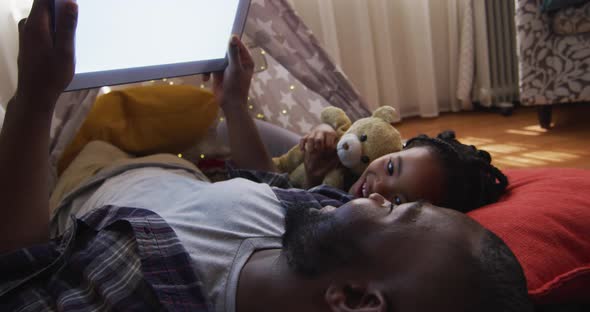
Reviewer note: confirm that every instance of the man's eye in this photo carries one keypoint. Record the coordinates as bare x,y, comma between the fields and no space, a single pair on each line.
390,167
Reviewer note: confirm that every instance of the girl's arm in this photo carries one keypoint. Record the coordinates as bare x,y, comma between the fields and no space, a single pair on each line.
231,88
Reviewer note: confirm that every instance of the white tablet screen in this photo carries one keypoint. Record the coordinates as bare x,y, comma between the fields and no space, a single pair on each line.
122,34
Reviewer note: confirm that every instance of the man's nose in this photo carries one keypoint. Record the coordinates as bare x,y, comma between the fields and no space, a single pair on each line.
378,198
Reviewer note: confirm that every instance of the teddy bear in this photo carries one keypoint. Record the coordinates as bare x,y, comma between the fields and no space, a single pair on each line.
359,144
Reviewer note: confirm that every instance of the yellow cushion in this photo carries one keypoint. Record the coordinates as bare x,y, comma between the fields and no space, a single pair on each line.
146,120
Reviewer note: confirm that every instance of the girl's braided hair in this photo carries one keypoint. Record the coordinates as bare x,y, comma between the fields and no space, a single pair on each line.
472,180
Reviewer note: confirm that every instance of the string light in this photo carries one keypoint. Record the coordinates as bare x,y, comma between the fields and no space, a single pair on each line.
179,155
251,107
292,87
263,52
106,90
165,79
262,67
202,86
260,116
221,119
284,112
171,83
202,156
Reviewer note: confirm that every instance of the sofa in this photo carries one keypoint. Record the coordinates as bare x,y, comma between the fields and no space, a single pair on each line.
554,55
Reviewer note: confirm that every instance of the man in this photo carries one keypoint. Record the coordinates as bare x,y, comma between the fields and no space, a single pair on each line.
151,236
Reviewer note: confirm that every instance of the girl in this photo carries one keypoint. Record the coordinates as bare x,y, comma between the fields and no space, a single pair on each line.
440,170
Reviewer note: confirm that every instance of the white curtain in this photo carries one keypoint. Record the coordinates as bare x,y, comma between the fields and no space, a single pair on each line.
1,116
11,11
415,55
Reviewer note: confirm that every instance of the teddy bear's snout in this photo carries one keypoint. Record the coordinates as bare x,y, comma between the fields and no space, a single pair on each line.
350,150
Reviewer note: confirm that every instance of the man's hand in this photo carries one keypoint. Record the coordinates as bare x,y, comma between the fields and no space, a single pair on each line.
231,86
46,66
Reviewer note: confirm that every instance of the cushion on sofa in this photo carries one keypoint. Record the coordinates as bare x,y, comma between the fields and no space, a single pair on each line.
555,5
572,21
545,220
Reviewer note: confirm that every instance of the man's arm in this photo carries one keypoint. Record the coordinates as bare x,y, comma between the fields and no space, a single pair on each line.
231,89
46,67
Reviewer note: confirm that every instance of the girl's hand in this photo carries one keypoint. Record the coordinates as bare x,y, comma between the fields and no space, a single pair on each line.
46,66
231,86
318,164
322,138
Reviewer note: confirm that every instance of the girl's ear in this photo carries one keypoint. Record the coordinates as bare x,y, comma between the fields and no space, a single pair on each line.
355,297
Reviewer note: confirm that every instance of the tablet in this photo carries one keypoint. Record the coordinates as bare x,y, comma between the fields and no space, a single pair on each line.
125,41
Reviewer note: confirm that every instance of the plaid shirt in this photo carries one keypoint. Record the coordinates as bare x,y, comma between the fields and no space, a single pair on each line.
317,197
119,258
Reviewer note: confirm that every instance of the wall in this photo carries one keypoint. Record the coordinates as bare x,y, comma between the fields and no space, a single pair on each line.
10,10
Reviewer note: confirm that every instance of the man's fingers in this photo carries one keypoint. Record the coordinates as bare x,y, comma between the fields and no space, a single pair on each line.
40,16
218,78
21,29
21,25
39,6
65,32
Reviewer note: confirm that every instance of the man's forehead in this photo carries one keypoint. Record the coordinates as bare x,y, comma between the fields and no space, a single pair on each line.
436,235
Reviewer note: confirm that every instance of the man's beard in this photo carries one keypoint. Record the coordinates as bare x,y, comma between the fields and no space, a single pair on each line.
314,243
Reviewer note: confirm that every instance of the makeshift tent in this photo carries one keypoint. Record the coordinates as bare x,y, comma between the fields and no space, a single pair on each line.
295,78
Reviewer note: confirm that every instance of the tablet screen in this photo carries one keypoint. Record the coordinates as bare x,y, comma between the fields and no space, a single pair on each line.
122,34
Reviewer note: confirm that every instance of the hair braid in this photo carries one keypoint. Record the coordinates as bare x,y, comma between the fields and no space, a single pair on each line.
471,179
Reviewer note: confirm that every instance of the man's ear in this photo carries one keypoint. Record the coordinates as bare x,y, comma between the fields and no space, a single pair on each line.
355,297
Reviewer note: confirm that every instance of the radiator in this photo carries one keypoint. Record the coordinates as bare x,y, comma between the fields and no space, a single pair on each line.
497,73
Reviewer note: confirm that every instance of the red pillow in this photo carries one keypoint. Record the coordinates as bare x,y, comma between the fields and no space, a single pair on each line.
545,220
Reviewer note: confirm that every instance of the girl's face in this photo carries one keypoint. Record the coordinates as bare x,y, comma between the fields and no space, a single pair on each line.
407,176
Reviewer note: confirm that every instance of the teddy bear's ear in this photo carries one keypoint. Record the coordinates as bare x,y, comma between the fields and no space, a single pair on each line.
387,113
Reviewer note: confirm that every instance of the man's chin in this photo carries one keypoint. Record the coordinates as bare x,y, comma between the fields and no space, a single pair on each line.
315,243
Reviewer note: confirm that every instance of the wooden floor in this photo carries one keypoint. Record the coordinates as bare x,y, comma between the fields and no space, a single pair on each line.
517,141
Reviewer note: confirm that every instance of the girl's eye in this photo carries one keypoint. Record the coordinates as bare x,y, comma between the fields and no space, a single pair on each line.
390,167
397,201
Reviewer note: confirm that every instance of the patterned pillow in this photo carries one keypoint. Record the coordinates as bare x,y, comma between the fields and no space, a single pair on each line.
544,219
